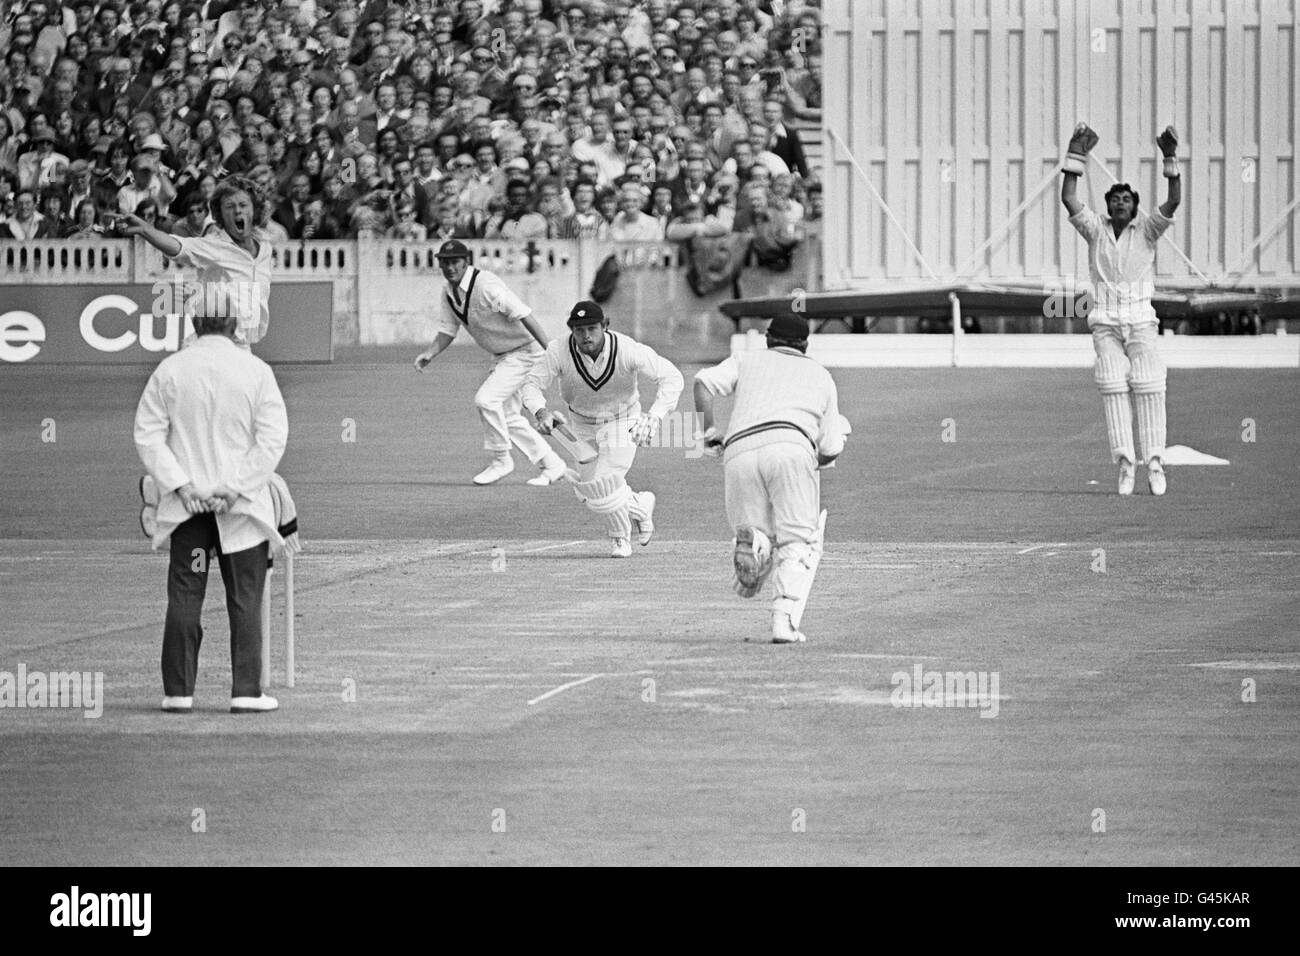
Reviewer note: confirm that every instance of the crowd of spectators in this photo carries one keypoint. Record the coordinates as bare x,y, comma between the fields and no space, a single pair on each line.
420,120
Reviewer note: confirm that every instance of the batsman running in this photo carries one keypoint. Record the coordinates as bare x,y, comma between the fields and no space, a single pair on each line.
500,322
785,426
1125,329
597,370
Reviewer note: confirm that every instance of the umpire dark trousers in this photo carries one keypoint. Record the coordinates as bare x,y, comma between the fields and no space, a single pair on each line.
244,575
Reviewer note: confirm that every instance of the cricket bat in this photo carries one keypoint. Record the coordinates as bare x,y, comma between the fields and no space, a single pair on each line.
581,451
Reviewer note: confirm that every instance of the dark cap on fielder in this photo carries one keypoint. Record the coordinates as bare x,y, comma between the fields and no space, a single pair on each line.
586,312
453,249
790,327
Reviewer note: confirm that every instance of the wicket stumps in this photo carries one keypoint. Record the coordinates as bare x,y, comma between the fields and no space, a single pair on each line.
288,623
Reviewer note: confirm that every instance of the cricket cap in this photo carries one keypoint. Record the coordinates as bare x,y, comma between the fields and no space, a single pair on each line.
586,312
453,249
791,327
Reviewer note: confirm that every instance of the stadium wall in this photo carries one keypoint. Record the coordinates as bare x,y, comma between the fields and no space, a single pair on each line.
385,292
958,111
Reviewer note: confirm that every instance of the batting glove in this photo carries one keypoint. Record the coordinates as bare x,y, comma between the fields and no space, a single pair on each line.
547,420
644,429
1081,143
712,442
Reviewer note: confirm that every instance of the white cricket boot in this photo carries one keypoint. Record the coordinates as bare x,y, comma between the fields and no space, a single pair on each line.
501,466
1156,476
253,705
1127,476
645,522
622,548
752,560
178,705
783,631
552,471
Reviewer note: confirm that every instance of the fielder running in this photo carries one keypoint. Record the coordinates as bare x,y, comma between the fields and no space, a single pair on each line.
1125,329
785,425
503,325
597,370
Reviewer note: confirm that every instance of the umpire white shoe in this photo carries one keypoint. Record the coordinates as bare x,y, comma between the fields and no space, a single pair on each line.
552,471
178,705
622,548
752,560
783,631
645,526
1156,477
499,468
1127,476
253,705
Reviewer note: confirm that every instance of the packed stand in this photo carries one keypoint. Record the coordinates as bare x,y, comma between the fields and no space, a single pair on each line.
418,121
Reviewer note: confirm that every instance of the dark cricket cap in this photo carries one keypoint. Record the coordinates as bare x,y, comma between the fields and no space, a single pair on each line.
586,312
453,249
791,327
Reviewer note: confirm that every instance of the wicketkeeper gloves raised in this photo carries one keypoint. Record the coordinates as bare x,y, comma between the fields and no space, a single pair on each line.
1076,156
1168,143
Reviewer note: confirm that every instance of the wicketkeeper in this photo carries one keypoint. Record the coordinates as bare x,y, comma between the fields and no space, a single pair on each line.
1125,329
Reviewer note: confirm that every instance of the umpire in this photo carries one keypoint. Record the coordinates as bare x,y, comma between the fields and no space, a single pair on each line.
211,428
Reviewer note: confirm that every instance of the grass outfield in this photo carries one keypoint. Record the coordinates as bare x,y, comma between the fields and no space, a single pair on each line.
507,673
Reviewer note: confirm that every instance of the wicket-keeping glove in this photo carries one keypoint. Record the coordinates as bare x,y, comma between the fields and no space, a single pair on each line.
1081,143
1168,143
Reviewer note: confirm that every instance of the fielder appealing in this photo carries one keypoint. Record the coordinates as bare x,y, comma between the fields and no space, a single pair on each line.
503,325
233,269
785,425
1125,329
597,370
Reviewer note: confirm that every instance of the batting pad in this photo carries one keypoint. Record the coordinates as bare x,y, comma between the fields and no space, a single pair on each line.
794,573
610,497
1111,373
1119,424
1147,373
1151,424
635,506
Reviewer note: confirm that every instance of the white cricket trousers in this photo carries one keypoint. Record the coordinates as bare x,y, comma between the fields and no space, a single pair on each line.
499,406
772,483
612,439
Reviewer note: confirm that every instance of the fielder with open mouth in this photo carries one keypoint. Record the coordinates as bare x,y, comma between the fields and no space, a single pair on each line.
233,269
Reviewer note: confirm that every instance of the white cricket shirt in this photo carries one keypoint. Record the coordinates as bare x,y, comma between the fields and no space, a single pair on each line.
1122,271
779,385
604,388
230,282
485,306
